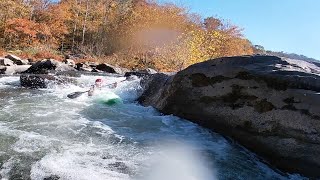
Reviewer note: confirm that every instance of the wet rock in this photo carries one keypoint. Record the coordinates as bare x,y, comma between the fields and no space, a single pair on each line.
149,71
10,70
255,100
69,62
17,60
36,80
152,85
108,68
92,64
84,67
13,57
3,69
6,62
141,73
46,65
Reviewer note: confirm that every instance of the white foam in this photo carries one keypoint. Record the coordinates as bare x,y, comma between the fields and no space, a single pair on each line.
29,143
178,161
9,81
6,168
78,162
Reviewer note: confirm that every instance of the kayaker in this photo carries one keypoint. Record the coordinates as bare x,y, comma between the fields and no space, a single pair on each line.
98,83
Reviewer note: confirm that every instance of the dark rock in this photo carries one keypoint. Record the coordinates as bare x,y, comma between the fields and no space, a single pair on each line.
44,80
152,86
108,68
92,64
6,62
263,106
17,60
255,100
96,70
44,66
10,70
141,73
36,80
84,67
13,57
69,62
3,69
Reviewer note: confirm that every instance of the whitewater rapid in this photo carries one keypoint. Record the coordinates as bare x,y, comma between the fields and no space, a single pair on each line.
45,135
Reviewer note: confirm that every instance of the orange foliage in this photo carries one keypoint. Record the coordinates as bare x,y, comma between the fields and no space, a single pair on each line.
141,33
46,55
2,52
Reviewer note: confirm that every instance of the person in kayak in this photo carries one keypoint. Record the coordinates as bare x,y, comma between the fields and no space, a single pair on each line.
98,85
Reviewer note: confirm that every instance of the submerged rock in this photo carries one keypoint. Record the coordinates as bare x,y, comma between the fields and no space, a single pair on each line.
255,100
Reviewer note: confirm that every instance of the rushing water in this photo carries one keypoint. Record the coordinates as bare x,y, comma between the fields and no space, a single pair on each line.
45,135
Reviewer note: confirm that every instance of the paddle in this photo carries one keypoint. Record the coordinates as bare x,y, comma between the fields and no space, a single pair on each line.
76,94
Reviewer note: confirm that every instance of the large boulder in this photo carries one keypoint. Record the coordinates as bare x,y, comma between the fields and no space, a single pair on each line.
43,80
108,68
37,75
5,62
87,66
83,67
46,65
14,69
268,104
69,62
141,73
17,60
36,80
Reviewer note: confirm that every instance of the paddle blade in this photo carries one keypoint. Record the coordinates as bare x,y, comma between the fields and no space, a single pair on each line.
75,94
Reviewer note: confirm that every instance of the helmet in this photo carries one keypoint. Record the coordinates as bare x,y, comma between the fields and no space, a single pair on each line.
99,80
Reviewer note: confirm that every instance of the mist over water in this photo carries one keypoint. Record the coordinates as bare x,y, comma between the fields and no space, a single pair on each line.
43,134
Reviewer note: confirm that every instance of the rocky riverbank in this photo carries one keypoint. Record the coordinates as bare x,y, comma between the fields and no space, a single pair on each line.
267,104
39,73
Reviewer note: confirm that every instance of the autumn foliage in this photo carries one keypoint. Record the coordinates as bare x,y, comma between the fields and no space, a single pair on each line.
132,33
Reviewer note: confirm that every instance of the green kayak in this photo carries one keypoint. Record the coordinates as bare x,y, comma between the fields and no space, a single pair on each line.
108,98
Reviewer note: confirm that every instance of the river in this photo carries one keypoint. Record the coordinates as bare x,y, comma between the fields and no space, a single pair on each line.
45,135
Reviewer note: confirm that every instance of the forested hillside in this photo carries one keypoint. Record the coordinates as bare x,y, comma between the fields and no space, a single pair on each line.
258,49
128,33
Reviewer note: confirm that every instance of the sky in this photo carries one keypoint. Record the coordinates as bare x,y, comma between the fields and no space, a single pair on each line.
280,25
